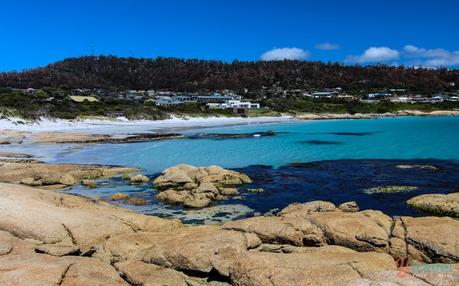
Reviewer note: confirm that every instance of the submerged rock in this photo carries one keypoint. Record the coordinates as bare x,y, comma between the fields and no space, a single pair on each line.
89,183
416,166
256,191
135,201
445,205
119,196
197,187
391,189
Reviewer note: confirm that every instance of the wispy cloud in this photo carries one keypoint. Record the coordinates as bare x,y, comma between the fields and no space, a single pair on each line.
327,46
430,57
373,55
278,54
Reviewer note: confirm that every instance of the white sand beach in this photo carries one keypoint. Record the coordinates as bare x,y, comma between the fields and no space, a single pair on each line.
122,125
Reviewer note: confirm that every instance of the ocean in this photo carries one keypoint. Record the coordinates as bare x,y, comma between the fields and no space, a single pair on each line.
298,161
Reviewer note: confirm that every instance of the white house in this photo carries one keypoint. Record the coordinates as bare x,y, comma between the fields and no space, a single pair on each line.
234,104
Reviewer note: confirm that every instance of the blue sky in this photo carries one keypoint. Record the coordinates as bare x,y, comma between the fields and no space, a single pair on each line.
422,32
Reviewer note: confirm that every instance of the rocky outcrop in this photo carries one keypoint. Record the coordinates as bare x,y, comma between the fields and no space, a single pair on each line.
8,136
60,175
139,179
438,204
85,138
62,220
140,273
351,206
297,209
197,187
318,224
49,238
258,268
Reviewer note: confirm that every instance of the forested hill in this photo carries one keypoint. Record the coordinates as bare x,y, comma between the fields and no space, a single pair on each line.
110,72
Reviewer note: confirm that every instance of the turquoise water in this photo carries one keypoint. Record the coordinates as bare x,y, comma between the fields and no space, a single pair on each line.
304,141
348,157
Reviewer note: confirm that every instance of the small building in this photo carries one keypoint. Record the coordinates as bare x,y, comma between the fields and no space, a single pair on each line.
234,104
167,101
437,99
325,94
378,95
400,99
215,98
80,98
346,97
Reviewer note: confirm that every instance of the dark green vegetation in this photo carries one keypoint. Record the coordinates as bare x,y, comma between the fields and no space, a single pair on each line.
114,73
335,106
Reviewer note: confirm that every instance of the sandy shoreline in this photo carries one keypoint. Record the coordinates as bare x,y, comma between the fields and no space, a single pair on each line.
121,126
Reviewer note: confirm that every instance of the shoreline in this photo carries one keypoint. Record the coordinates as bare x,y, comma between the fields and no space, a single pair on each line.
122,126
110,126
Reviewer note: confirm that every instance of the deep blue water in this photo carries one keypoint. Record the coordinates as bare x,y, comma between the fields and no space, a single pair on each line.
345,158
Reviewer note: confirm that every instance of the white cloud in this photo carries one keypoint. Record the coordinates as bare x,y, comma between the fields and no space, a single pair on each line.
278,54
327,46
375,54
430,57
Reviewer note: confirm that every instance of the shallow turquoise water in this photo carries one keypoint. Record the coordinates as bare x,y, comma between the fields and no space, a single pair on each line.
305,141
350,157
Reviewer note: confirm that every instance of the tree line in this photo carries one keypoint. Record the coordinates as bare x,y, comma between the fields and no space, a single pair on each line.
114,73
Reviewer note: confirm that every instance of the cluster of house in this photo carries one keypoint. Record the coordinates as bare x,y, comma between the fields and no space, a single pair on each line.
401,95
336,93
213,101
392,95
226,99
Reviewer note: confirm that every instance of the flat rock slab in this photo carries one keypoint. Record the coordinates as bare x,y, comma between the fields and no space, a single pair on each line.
439,204
55,218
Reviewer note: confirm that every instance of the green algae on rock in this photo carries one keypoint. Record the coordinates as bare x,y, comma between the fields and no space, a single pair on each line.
391,189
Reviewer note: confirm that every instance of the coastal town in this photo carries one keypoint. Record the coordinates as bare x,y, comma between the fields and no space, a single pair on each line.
239,104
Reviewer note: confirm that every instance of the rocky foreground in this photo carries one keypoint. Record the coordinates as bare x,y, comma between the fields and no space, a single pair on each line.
50,238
